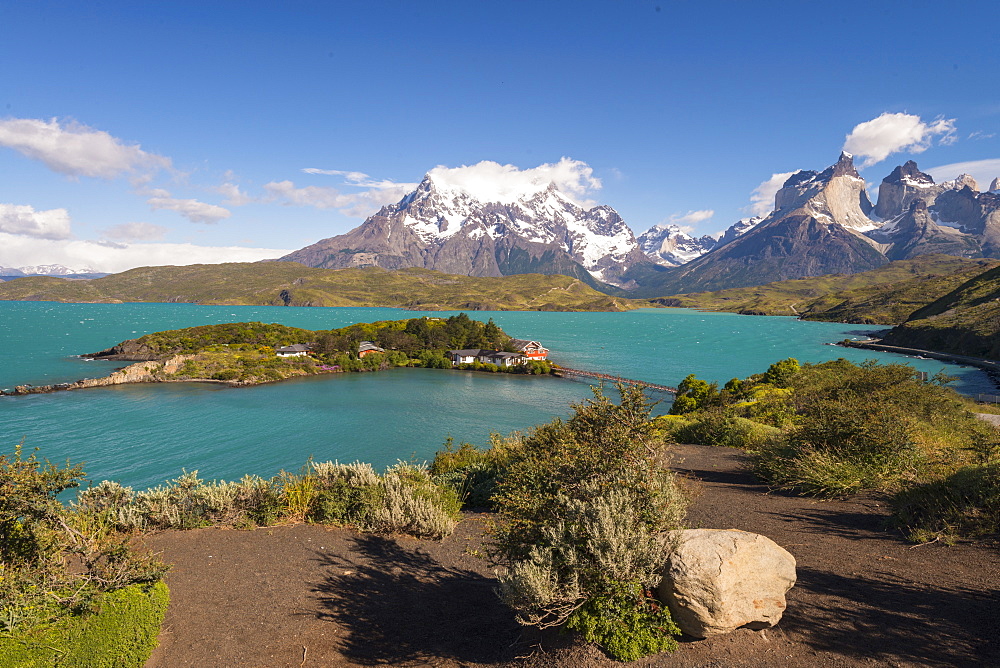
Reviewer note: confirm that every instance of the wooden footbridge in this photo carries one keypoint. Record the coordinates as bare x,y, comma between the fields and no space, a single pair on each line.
566,371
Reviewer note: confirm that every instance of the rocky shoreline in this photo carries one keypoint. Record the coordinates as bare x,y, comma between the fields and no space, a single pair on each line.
146,371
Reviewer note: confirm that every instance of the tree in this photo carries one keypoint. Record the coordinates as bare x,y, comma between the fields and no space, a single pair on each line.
693,394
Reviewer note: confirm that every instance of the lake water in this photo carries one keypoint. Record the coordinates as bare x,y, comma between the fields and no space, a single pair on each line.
142,435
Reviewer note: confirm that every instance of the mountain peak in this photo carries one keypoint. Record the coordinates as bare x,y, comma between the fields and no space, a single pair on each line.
669,245
995,186
966,180
909,174
843,167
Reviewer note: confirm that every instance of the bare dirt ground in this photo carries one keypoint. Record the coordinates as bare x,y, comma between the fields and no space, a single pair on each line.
308,595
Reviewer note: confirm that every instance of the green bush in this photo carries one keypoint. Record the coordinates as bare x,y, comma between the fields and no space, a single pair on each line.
56,561
627,621
581,507
842,446
471,472
120,632
714,427
964,504
345,493
694,394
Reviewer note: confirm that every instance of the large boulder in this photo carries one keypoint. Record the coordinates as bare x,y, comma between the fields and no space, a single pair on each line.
718,580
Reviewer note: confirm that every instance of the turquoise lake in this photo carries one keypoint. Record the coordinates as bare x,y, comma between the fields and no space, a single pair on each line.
142,435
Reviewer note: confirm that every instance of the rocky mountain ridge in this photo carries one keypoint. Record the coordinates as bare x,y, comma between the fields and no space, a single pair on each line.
671,246
448,230
822,222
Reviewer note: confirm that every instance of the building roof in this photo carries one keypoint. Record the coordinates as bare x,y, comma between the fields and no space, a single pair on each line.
469,352
294,348
523,344
368,345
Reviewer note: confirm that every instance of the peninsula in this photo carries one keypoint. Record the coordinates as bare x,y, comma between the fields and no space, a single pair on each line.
251,353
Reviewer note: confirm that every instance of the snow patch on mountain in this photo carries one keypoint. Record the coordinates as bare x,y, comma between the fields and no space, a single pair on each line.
54,270
671,246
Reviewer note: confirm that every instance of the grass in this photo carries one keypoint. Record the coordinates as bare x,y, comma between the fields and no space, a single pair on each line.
292,284
836,429
965,321
887,295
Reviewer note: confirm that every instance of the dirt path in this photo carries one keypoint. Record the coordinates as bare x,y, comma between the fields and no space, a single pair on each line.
311,596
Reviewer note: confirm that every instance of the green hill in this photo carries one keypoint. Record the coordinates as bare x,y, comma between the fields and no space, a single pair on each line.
966,321
292,284
887,295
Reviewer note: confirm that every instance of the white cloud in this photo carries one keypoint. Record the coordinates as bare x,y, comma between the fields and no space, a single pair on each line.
489,181
76,150
192,209
692,217
983,171
359,204
315,196
23,219
357,178
880,137
979,134
234,196
136,232
762,198
19,251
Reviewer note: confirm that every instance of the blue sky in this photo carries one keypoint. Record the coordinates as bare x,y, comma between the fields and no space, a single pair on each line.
144,133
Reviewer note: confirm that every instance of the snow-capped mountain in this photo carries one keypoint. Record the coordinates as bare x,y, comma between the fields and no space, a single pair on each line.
739,228
817,227
445,227
823,222
921,216
671,246
53,270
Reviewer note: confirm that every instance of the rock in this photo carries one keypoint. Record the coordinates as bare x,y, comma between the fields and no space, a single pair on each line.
716,581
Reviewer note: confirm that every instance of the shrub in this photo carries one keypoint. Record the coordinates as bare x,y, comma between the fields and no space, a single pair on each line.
714,427
346,493
842,447
966,503
56,563
627,621
780,373
693,394
121,632
184,503
471,472
581,507
413,504
405,499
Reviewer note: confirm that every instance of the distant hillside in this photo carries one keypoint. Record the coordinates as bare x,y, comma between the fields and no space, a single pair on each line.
291,284
885,296
966,321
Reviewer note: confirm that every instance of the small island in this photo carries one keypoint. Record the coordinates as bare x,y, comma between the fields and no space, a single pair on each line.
250,353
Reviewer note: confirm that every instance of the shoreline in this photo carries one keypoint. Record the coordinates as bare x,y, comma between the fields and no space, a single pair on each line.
989,367
143,372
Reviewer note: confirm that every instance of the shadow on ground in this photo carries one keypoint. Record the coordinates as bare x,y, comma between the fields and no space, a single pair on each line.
899,619
396,605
